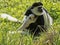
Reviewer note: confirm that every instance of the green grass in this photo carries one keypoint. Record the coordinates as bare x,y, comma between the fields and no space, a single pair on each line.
17,8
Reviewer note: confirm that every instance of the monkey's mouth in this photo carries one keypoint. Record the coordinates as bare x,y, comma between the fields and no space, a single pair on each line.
40,10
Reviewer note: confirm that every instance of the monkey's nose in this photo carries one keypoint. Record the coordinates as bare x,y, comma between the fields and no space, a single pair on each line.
40,9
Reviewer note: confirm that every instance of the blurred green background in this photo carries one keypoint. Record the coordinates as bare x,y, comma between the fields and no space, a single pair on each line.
17,8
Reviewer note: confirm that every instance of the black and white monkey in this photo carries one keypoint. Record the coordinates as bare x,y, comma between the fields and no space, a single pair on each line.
36,19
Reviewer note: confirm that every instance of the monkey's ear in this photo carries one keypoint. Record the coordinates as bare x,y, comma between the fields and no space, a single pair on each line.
28,12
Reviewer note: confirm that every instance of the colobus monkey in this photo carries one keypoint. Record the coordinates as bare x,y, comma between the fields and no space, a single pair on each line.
36,19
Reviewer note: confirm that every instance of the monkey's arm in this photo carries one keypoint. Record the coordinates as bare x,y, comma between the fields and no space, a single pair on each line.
27,21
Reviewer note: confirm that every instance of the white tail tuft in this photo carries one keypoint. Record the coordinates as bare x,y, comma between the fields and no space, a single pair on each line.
10,18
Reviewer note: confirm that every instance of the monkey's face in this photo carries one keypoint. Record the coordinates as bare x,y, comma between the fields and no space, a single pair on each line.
37,8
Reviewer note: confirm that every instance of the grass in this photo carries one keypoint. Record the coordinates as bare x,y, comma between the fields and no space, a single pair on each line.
16,8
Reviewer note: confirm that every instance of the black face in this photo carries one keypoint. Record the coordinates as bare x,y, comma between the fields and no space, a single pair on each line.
36,8
37,5
40,9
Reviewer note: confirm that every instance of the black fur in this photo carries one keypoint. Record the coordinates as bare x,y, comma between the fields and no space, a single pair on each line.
36,4
28,12
33,27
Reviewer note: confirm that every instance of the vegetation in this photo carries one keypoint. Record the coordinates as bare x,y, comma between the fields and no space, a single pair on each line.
16,8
